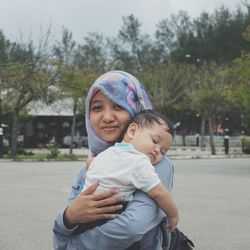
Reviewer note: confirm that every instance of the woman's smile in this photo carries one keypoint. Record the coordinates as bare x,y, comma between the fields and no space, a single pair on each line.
110,128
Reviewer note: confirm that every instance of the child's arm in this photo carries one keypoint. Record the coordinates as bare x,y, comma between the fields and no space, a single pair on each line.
163,198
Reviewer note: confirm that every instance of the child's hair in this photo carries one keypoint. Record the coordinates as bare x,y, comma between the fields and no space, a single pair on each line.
147,118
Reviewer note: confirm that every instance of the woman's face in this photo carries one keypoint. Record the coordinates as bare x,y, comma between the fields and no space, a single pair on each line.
108,118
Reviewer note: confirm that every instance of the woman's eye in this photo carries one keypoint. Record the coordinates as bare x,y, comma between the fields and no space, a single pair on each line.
154,141
96,108
118,107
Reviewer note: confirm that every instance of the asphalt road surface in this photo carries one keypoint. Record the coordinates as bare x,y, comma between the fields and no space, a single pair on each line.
213,197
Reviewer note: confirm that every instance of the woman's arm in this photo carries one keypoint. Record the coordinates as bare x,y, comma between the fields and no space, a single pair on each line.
83,207
141,215
62,234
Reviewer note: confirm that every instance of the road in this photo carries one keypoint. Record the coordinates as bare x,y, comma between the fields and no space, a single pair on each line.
212,195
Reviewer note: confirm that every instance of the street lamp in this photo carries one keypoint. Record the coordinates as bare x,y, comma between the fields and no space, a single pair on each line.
196,62
226,135
197,130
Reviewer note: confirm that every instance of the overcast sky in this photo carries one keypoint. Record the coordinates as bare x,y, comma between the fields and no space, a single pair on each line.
82,16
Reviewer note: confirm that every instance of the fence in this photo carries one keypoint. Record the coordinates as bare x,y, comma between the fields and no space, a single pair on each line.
190,140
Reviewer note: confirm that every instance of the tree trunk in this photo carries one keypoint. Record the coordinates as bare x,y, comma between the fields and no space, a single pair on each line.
203,122
184,137
211,136
15,117
73,127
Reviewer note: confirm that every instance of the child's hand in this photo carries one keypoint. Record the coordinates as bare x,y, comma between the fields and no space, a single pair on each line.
89,159
172,223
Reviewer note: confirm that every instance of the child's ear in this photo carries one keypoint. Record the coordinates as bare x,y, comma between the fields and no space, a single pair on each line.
132,128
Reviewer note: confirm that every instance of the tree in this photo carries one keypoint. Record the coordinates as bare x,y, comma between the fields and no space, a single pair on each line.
75,84
209,96
167,86
26,75
175,37
76,72
64,52
132,51
92,54
209,37
4,48
168,89
239,78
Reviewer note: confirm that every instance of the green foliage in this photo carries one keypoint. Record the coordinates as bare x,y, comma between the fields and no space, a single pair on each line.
21,153
92,55
239,80
53,151
179,86
6,150
168,86
4,46
76,77
26,74
44,157
132,51
208,94
246,34
209,37
64,49
245,144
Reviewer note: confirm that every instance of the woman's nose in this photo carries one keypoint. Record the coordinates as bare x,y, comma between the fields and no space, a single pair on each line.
108,116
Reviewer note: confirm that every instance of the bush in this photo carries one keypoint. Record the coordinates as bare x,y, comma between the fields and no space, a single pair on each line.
245,142
53,151
6,150
21,151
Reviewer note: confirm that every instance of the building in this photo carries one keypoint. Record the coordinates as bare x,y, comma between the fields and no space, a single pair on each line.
48,123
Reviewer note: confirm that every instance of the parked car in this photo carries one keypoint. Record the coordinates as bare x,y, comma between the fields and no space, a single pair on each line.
78,142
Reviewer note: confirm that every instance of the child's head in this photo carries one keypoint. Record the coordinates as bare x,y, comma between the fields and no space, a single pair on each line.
150,133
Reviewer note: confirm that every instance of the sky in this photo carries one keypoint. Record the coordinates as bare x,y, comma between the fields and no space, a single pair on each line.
27,19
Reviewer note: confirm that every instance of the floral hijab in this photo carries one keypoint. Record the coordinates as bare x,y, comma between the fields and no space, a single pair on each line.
121,88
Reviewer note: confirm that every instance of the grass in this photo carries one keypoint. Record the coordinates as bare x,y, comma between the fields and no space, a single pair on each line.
47,157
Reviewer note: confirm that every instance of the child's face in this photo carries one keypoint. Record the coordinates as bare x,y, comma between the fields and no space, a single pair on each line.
153,141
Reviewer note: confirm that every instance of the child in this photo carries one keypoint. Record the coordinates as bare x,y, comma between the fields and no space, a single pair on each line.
128,165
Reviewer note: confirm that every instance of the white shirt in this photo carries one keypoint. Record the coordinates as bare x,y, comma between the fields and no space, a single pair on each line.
123,168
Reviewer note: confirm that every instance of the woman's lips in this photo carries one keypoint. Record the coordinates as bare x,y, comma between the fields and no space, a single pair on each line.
111,128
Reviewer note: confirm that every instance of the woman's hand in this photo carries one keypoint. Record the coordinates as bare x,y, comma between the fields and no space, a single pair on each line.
89,207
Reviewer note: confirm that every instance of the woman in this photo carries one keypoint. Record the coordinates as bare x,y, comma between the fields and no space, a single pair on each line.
113,99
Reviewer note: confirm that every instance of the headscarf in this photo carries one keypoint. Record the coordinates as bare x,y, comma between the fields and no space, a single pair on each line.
123,89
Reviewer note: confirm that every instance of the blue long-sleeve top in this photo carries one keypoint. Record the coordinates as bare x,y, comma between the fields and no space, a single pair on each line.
140,218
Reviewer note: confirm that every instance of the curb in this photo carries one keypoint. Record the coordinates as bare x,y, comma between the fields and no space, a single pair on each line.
171,157
197,157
